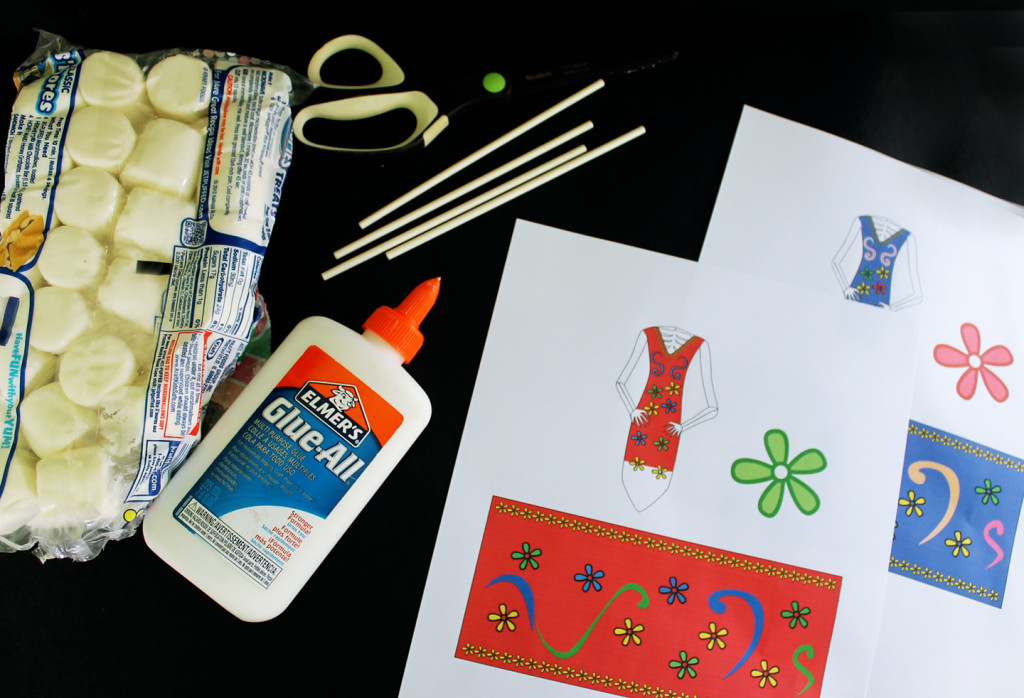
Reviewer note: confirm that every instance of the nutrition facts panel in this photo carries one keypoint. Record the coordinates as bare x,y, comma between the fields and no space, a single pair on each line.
212,287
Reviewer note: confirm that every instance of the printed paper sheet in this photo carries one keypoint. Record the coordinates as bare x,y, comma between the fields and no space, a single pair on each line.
832,217
684,443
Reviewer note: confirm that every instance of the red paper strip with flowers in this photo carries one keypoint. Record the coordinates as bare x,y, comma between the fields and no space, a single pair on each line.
622,611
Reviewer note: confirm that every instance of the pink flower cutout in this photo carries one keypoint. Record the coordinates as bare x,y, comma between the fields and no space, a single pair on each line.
976,363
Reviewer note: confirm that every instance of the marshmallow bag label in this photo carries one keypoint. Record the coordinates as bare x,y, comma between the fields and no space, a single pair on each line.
14,306
243,192
283,473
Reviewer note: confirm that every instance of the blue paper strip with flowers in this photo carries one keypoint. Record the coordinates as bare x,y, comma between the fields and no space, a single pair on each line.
957,517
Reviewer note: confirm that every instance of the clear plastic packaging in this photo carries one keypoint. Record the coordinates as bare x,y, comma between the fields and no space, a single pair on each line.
139,196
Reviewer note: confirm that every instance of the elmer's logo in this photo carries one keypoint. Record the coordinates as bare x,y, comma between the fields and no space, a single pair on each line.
338,406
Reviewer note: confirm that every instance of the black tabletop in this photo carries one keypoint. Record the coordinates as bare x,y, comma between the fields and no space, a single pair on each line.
943,91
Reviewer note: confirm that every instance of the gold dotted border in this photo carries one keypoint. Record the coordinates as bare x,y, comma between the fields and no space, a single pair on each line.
951,581
669,546
968,448
562,671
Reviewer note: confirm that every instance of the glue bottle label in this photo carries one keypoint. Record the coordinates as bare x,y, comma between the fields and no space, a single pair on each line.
288,466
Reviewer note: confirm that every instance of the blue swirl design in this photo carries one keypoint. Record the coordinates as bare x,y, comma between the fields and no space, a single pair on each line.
716,604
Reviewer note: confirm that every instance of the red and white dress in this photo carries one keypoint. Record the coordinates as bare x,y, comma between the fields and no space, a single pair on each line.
659,414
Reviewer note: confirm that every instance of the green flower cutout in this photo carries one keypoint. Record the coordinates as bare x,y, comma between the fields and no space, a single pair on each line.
988,492
528,556
781,475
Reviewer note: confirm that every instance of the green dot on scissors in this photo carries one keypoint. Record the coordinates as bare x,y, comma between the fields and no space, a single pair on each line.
494,82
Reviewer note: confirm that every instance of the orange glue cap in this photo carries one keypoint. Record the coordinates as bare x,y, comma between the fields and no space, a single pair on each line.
400,327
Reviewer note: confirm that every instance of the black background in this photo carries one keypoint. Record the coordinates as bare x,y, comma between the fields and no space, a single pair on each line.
944,91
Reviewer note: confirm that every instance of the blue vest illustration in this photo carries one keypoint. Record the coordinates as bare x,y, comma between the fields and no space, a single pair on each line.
873,281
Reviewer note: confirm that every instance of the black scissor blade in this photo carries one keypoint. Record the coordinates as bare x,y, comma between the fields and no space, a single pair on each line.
563,75
593,70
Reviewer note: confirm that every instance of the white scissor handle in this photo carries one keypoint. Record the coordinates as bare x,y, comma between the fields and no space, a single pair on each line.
391,73
367,106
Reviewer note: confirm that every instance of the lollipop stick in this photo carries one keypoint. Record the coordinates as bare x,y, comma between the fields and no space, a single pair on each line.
486,150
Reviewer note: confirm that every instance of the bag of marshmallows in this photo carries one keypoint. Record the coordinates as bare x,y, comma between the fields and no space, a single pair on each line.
139,196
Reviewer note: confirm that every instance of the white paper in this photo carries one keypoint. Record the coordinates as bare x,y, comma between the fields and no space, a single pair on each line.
546,426
789,199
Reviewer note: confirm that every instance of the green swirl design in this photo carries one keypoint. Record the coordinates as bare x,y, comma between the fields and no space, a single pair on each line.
801,668
644,602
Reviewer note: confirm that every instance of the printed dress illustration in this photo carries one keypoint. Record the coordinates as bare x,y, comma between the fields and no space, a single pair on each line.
877,264
666,388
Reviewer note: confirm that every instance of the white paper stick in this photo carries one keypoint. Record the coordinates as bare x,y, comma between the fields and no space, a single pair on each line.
487,149
447,215
494,203
463,190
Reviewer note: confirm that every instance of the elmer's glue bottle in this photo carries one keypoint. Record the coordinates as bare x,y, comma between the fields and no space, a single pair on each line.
268,492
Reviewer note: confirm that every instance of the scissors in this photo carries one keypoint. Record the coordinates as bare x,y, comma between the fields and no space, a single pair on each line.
431,116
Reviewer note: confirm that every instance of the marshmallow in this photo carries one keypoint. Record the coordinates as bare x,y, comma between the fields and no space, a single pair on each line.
73,486
32,276
93,367
18,503
150,225
51,423
40,369
167,156
121,415
131,296
179,87
60,317
109,79
201,126
139,113
72,258
89,198
100,137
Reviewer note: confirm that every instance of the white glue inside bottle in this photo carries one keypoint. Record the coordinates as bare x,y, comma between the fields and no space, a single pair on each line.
268,492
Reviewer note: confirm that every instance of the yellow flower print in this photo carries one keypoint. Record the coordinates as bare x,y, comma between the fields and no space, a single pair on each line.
959,544
629,632
503,618
713,636
766,674
913,503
